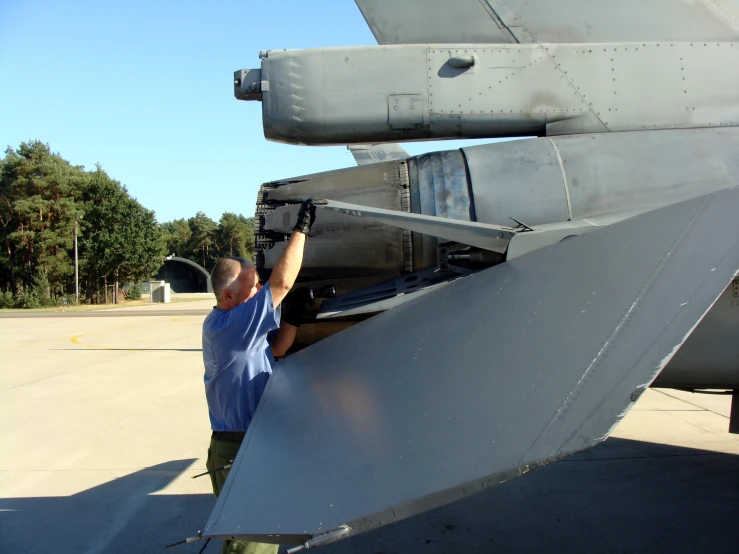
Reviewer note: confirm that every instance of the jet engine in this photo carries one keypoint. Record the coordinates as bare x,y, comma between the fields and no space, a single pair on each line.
519,185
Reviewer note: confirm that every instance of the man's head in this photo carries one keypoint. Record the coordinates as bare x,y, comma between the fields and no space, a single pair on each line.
234,281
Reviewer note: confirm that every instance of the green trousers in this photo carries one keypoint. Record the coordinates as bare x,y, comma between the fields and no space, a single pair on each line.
220,454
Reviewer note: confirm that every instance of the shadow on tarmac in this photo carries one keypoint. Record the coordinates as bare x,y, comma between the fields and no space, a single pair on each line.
122,515
621,496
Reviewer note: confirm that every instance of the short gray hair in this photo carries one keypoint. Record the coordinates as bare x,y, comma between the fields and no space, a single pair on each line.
225,274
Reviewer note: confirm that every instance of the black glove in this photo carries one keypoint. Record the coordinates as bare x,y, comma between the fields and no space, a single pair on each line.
294,306
306,217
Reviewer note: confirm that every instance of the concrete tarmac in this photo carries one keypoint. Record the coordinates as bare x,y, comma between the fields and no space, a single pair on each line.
104,422
189,307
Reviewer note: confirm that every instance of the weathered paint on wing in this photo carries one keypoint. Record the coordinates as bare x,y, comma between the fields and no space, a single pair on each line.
512,21
479,381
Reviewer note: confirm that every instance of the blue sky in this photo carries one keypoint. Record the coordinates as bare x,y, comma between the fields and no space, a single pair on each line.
146,90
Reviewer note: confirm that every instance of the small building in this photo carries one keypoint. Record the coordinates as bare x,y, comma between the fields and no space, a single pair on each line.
184,275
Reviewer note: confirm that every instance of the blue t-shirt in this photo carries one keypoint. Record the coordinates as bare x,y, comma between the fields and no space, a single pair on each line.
238,359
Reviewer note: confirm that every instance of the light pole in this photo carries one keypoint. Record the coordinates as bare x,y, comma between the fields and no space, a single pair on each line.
76,266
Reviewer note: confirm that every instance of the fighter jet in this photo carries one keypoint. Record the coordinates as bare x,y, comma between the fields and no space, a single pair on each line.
500,306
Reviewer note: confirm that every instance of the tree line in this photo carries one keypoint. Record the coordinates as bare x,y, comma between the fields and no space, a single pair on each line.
202,240
43,197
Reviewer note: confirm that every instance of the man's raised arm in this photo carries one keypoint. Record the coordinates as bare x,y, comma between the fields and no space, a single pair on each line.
287,267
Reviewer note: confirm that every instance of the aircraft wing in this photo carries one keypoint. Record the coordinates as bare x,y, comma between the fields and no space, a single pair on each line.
477,382
510,21
365,154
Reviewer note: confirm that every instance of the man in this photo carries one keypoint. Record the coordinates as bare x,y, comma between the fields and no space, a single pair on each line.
241,336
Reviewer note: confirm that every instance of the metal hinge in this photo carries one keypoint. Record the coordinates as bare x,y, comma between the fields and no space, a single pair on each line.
736,287
323,538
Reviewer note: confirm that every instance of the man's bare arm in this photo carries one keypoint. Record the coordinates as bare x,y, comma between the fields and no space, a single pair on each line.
287,267
283,340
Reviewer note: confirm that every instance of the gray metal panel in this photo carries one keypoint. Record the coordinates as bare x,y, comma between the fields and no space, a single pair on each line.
618,172
510,90
379,305
470,233
602,173
454,21
347,247
547,235
625,20
344,245
480,381
373,184
317,94
345,95
422,21
635,86
520,179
